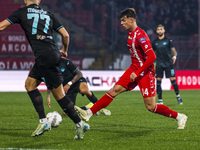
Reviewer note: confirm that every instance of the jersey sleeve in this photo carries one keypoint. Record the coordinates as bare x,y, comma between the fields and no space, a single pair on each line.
144,42
171,44
14,17
71,67
56,24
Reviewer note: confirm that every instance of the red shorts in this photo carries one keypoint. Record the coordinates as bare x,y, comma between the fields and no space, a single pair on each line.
146,82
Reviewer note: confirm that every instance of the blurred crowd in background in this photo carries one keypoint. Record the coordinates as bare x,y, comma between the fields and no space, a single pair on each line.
95,30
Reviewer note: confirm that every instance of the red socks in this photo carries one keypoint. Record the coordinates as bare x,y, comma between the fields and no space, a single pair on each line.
107,99
102,103
164,110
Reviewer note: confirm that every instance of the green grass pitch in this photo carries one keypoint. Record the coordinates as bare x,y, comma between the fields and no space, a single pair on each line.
129,127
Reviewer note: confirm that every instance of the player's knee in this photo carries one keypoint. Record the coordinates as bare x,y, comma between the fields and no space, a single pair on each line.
159,79
115,91
27,86
84,91
172,78
150,107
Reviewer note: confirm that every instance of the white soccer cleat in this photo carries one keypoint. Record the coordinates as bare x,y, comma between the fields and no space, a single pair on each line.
80,131
105,112
83,114
42,127
182,121
88,106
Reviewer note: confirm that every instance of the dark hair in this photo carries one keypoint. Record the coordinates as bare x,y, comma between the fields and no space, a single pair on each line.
160,25
129,13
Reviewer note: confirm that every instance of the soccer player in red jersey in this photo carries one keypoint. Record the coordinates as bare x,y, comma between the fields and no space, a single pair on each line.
141,72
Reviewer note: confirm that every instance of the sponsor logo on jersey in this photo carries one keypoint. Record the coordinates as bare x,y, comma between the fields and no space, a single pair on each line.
164,43
62,69
146,46
143,42
39,37
42,37
142,39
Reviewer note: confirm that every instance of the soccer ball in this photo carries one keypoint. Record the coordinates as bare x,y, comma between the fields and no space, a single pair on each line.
54,118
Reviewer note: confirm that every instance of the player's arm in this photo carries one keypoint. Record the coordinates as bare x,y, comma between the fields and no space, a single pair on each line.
174,54
65,41
78,75
74,80
149,61
4,24
48,98
145,44
58,27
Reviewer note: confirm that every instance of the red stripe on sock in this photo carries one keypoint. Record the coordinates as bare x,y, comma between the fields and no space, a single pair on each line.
102,103
164,110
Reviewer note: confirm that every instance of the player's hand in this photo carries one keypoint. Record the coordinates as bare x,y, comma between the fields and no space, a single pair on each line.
66,88
173,60
49,102
133,76
63,53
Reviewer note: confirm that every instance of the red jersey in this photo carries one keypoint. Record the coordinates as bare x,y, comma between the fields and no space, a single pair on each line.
139,44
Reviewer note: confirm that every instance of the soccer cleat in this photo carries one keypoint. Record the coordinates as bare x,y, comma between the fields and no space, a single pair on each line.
105,112
98,113
80,131
42,127
182,121
83,114
160,101
89,105
180,102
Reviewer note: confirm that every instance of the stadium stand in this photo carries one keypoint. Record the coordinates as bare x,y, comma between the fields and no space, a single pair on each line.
94,27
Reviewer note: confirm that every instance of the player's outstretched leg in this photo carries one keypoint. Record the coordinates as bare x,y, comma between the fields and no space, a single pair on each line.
164,110
101,103
42,127
37,101
103,111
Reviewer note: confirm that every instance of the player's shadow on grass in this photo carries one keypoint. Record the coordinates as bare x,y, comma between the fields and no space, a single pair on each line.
126,130
15,132
170,105
122,133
